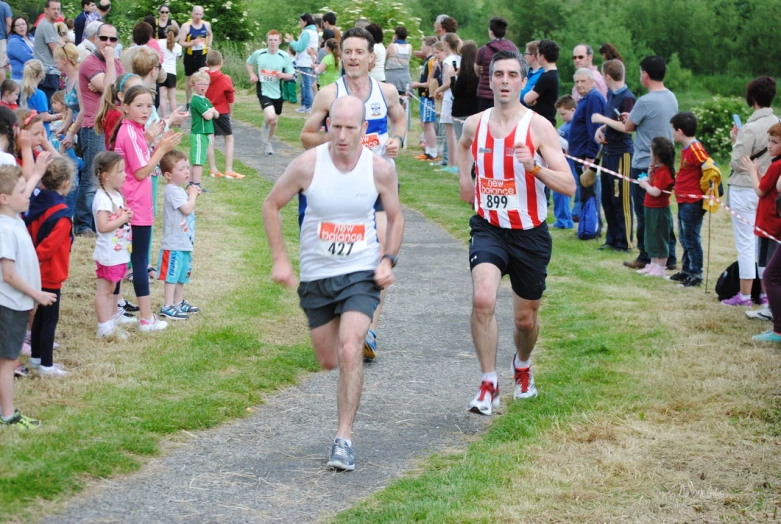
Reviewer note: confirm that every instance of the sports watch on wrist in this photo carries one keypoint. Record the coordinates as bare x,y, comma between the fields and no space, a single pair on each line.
393,259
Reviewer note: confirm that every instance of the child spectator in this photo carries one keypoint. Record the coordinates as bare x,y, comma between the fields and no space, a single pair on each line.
767,187
688,194
428,113
49,222
20,288
565,106
34,98
178,235
658,218
109,114
202,133
7,140
220,94
112,221
31,140
171,52
132,145
450,59
9,94
57,136
330,66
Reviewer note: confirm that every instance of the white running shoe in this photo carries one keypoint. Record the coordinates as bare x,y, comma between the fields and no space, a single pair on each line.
486,400
52,371
121,318
760,314
155,325
524,382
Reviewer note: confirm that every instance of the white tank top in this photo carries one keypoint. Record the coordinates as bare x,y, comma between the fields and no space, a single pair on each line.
376,115
401,58
505,195
338,228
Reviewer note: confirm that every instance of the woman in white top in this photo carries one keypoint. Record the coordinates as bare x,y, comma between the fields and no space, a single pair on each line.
450,65
378,71
397,61
171,52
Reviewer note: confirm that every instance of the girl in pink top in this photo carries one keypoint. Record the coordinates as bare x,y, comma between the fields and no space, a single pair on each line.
131,142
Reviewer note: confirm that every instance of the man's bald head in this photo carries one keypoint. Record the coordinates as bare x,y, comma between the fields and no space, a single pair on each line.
347,107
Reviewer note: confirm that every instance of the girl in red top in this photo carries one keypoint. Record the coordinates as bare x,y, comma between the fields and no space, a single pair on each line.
766,186
658,218
9,94
109,113
49,223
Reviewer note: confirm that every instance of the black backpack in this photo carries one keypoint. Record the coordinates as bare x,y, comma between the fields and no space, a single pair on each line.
728,284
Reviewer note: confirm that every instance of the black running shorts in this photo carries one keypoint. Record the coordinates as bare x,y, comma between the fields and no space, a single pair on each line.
325,299
524,254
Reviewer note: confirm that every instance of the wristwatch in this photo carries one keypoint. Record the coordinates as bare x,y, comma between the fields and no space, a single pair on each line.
393,259
536,169
401,140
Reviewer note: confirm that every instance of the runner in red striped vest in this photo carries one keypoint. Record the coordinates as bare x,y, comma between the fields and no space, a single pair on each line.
516,153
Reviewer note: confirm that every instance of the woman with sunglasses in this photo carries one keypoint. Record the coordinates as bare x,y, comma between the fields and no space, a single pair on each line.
20,47
164,21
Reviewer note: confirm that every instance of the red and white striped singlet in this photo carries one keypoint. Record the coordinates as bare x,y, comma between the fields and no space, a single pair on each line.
505,195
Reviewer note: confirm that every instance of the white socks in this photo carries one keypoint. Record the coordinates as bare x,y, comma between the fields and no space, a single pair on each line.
105,328
491,377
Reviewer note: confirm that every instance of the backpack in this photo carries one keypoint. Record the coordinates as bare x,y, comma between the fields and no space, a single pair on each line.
728,284
589,220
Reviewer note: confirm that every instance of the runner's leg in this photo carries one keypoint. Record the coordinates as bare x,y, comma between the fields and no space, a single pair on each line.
485,286
527,326
352,331
325,341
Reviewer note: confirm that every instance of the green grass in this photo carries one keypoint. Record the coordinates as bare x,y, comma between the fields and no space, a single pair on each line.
188,379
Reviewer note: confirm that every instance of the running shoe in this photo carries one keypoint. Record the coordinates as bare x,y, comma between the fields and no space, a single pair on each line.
216,174
524,382
52,371
450,169
737,301
115,335
173,313
186,307
303,110
486,400
235,175
269,150
122,317
146,326
128,307
760,314
20,371
767,336
763,301
692,281
20,421
342,456
370,347
425,157
678,277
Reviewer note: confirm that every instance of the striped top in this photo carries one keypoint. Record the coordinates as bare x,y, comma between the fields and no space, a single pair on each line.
505,195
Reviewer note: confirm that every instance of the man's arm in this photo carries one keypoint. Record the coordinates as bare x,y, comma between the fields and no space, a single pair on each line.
251,72
183,35
209,35
310,134
557,175
466,187
397,118
387,186
296,178
101,80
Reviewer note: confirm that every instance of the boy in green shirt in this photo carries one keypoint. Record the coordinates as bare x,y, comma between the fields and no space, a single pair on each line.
202,133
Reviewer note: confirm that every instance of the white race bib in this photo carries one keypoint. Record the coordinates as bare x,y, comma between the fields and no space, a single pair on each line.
340,240
268,75
498,195
371,141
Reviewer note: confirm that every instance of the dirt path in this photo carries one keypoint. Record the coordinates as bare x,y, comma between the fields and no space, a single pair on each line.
271,466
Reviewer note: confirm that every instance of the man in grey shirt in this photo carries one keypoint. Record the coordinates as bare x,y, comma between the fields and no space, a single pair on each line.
46,41
650,118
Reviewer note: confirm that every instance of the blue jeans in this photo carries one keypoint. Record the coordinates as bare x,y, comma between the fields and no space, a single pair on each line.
638,196
689,225
306,87
576,198
585,192
91,145
70,198
562,212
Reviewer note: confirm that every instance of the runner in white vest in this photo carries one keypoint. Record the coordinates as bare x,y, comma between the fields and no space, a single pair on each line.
341,269
386,128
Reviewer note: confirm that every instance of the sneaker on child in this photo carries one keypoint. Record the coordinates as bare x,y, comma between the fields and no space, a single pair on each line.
154,324
738,300
20,421
173,313
760,314
186,307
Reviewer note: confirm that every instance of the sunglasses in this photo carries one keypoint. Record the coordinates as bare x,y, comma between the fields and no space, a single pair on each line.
578,57
104,38
164,12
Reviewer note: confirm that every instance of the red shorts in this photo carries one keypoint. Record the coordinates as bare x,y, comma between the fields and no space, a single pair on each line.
111,273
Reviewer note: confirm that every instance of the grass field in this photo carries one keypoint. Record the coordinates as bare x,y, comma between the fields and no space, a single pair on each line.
654,405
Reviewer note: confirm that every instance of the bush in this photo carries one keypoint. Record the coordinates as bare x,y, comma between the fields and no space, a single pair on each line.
714,121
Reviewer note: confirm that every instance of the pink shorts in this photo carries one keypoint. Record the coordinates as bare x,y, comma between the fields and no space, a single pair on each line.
111,273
